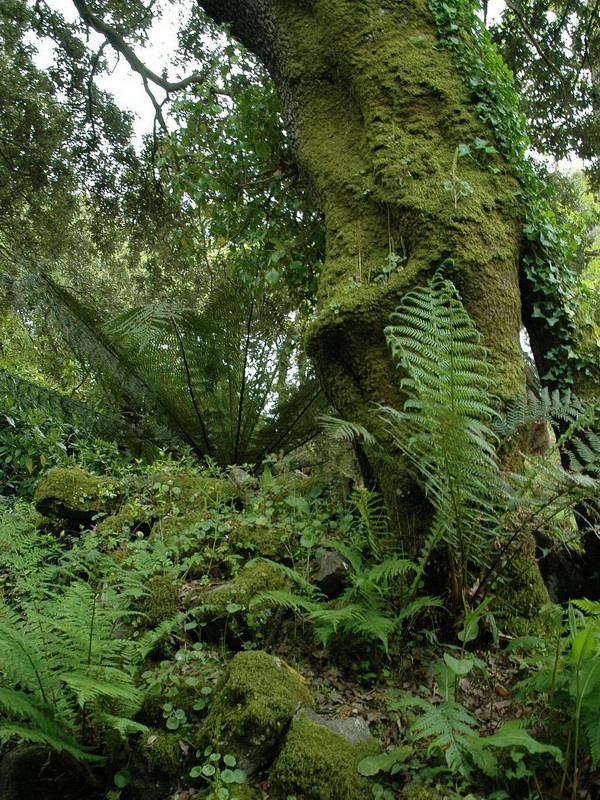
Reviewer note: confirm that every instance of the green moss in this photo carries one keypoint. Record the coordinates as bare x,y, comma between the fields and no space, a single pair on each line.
74,495
229,609
267,541
521,593
421,791
380,112
157,765
161,602
246,584
161,752
126,521
177,530
254,704
237,792
318,764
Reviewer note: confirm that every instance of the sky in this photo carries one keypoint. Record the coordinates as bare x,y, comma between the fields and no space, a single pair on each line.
125,85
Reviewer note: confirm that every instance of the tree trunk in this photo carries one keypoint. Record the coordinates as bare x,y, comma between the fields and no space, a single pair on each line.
376,112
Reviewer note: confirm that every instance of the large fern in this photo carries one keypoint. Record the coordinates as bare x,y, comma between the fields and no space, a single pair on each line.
445,428
65,668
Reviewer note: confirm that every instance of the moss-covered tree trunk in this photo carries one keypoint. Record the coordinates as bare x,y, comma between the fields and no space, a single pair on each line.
377,112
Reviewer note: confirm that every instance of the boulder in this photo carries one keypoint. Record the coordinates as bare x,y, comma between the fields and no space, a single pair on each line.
332,573
253,707
74,495
317,763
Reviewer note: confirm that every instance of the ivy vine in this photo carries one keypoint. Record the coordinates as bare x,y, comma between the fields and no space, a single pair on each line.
551,245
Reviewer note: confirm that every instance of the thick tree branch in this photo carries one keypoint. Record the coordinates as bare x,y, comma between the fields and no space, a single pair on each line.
114,38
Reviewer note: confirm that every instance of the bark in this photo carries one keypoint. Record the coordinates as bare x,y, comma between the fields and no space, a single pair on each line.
376,111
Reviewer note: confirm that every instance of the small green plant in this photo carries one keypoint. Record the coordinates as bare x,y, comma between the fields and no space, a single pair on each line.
564,672
458,187
66,676
220,773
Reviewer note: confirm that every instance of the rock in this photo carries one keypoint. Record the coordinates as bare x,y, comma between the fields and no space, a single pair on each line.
73,495
332,574
37,773
157,766
316,763
355,730
253,708
186,493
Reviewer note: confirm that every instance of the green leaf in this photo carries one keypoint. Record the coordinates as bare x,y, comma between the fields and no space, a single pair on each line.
371,765
122,778
460,666
583,645
512,734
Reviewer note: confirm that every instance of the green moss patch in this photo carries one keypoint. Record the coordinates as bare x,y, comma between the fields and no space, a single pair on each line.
268,541
74,495
318,764
253,707
189,493
230,612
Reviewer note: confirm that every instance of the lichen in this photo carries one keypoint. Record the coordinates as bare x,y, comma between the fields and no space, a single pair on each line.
74,495
253,706
317,764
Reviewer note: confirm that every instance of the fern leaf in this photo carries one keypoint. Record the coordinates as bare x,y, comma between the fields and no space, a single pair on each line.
591,725
445,428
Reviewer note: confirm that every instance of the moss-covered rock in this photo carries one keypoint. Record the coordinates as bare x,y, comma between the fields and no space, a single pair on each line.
267,541
131,518
240,791
427,791
74,495
161,601
253,707
230,609
180,531
317,764
158,762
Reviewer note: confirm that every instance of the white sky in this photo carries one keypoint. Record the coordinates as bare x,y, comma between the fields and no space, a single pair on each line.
124,84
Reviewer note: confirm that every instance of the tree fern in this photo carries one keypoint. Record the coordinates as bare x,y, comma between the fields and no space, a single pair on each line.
445,428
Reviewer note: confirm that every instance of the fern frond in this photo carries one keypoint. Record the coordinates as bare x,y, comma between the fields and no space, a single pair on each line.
591,726
373,515
287,600
40,727
445,427
344,431
452,730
